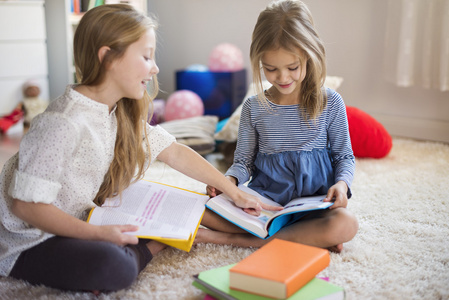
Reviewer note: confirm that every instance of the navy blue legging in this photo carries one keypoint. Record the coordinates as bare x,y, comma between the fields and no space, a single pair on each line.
82,265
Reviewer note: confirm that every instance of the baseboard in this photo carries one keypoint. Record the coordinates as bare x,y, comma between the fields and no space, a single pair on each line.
421,129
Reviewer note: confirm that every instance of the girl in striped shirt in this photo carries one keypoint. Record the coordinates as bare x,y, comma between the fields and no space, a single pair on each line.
293,138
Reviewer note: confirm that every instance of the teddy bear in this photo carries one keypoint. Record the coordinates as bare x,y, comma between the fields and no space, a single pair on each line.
32,103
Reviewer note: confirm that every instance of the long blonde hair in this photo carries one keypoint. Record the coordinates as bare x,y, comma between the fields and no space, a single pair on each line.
116,26
288,24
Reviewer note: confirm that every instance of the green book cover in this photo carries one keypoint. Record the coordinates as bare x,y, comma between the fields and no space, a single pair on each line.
215,282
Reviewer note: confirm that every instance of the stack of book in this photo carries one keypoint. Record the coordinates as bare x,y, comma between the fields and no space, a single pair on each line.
278,270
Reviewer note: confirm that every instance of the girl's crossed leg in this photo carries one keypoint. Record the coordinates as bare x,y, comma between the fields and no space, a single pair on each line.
83,265
325,229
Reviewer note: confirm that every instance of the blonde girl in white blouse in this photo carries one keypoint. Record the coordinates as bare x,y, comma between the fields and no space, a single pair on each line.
90,144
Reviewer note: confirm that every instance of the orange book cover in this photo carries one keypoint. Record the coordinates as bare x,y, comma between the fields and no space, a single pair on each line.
77,6
278,269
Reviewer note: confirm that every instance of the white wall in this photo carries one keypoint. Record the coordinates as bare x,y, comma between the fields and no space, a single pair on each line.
190,29
353,32
23,51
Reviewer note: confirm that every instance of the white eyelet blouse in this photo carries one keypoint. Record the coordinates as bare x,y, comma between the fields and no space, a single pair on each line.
62,160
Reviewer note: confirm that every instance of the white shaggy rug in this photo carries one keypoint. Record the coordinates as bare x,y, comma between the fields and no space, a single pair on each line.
400,252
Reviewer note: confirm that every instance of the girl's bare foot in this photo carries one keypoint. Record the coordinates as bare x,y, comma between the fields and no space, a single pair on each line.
337,248
155,247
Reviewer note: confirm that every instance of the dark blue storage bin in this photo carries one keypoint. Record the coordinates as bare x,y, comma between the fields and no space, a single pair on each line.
221,92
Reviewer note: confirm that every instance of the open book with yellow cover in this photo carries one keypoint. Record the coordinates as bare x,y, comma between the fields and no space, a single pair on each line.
163,213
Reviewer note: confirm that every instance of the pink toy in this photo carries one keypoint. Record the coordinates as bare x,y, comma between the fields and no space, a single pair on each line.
183,104
226,58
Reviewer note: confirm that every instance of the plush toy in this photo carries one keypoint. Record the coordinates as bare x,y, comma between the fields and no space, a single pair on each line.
32,103
183,104
368,137
226,58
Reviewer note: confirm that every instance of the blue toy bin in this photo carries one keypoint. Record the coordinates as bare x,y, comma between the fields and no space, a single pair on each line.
221,92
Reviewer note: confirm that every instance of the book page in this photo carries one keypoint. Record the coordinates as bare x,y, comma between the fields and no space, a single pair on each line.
111,216
157,207
305,204
224,206
295,205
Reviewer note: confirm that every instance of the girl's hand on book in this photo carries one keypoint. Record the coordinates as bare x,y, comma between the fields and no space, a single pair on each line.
212,191
338,193
115,234
252,204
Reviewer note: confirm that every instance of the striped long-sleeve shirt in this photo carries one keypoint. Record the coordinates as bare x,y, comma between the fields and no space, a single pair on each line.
271,128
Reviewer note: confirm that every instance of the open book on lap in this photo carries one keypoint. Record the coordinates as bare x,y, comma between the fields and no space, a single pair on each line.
164,213
268,222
